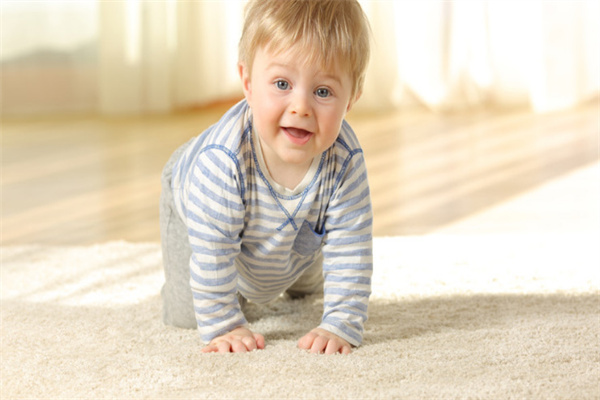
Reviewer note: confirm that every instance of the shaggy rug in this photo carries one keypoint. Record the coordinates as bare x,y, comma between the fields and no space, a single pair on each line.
452,316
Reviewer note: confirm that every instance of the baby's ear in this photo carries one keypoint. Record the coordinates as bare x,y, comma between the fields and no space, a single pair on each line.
353,100
245,78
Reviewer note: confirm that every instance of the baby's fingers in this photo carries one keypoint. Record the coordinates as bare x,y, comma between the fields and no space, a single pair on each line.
224,347
319,345
313,342
332,347
211,348
238,346
219,347
250,343
335,346
319,341
260,341
306,341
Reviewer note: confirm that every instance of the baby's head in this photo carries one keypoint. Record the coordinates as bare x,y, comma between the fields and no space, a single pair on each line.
331,33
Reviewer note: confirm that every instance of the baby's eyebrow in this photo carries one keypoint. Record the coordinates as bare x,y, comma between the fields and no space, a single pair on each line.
333,78
321,76
277,64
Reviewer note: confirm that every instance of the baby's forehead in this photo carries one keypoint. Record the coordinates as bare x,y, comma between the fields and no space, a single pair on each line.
330,65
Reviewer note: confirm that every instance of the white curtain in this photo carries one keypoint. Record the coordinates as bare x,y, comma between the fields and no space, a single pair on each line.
145,56
48,56
165,55
461,54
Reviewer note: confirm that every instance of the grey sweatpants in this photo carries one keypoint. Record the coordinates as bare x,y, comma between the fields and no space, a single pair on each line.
178,307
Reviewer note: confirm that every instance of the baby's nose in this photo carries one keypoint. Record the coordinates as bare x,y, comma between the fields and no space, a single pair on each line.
301,106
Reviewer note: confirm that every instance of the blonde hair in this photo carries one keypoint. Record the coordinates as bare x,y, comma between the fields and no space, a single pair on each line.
328,32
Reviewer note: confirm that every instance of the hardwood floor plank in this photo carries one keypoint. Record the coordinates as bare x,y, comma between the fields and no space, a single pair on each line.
86,179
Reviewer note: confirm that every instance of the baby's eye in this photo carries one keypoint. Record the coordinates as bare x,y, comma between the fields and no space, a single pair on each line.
282,85
323,92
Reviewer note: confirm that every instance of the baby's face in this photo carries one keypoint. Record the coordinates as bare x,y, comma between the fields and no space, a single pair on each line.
297,108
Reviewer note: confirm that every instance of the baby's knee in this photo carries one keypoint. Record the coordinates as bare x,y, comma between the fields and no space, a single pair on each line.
177,311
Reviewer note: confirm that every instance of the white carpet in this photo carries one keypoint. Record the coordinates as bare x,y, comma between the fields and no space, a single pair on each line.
453,315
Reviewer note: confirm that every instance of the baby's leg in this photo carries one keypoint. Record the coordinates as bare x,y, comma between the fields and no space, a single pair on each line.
310,282
178,307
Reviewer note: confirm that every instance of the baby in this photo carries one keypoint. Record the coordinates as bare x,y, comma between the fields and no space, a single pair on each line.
274,197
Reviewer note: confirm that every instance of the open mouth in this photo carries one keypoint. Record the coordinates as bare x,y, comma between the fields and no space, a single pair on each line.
298,136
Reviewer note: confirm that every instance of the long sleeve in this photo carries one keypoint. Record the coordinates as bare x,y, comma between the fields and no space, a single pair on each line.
215,216
347,251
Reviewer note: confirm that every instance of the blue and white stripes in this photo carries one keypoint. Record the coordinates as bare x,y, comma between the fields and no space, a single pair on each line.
248,235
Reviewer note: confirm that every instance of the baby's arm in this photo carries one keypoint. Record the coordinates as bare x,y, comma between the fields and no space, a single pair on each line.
214,217
347,264
239,340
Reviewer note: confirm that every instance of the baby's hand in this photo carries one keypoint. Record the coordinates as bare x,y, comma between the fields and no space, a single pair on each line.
321,341
239,340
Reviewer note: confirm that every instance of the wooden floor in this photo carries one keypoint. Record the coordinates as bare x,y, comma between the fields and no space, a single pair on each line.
83,180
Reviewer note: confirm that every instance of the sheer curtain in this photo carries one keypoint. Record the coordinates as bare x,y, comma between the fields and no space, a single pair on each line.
462,54
165,55
48,56
146,56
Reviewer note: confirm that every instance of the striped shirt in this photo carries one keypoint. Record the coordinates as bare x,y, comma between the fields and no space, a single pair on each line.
252,236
